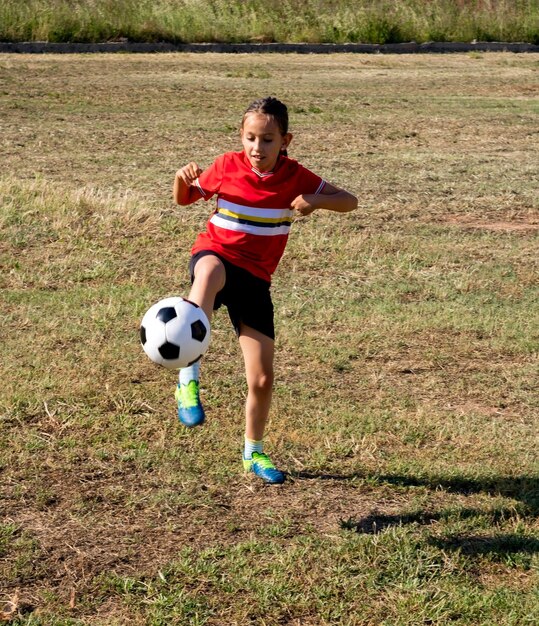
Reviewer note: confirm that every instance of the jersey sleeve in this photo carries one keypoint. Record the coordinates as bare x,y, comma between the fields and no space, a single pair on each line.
310,183
209,182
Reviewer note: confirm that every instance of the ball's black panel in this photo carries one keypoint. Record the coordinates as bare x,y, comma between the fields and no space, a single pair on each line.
142,335
198,331
166,314
169,351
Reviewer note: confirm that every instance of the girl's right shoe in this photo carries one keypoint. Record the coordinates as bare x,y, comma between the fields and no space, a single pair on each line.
190,410
261,465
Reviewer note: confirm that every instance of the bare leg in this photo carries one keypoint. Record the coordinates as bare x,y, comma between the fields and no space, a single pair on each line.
258,351
210,277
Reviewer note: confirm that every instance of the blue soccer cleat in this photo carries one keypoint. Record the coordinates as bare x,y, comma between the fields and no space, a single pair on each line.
190,410
261,465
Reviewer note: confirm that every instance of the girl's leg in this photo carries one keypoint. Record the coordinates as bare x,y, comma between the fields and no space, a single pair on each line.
258,352
209,279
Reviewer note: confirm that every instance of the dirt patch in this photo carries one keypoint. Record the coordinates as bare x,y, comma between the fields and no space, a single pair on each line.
71,554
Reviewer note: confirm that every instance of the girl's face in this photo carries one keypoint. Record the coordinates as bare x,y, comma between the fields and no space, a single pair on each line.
262,140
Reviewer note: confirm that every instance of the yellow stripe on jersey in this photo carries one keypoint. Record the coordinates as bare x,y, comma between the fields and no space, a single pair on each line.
254,218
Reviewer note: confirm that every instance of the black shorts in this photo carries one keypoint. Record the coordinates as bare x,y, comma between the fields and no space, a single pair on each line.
246,296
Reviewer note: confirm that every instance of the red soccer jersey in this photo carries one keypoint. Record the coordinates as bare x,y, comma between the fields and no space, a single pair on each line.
252,220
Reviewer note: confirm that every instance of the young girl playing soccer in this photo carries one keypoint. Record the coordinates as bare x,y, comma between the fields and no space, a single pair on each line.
258,190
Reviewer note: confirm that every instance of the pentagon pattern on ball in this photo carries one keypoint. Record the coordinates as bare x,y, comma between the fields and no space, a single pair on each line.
198,330
169,351
166,314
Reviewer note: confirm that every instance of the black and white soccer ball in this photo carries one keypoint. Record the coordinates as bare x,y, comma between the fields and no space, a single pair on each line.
175,332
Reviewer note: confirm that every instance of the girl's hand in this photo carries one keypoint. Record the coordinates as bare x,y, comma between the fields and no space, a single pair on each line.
189,173
304,204
184,179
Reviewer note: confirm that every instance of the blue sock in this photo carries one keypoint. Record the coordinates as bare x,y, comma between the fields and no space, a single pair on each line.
187,374
252,446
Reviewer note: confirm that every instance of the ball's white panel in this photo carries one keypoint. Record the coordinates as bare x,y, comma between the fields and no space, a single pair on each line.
192,313
152,350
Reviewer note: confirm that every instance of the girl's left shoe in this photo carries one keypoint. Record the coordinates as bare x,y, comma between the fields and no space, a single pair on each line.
190,410
261,465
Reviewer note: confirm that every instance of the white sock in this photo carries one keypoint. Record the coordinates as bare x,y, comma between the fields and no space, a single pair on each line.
252,446
187,374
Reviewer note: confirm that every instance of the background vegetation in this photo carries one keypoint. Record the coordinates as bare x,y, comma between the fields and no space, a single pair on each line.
407,348
366,21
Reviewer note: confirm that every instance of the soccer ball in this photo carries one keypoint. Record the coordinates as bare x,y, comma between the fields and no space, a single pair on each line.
175,332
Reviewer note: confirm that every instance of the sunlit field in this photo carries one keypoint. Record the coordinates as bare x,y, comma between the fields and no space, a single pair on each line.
405,407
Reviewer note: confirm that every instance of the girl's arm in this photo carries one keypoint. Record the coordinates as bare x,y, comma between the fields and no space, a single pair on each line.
183,181
331,198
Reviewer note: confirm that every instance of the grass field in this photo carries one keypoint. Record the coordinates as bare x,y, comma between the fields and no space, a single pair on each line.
406,403
232,21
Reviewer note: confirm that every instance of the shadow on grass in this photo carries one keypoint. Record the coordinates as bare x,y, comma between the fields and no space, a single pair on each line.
522,488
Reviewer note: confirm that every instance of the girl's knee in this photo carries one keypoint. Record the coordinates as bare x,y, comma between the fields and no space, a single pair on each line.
210,271
261,382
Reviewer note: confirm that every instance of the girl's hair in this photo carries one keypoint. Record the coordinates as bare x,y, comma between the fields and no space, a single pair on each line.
273,107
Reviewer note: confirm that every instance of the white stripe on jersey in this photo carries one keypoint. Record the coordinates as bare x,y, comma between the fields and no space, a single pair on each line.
248,211
197,183
250,229
320,186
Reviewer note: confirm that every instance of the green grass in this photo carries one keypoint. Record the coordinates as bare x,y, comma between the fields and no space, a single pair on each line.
405,400
270,21
292,583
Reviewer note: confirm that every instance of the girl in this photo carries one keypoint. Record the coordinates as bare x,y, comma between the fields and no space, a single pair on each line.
258,190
